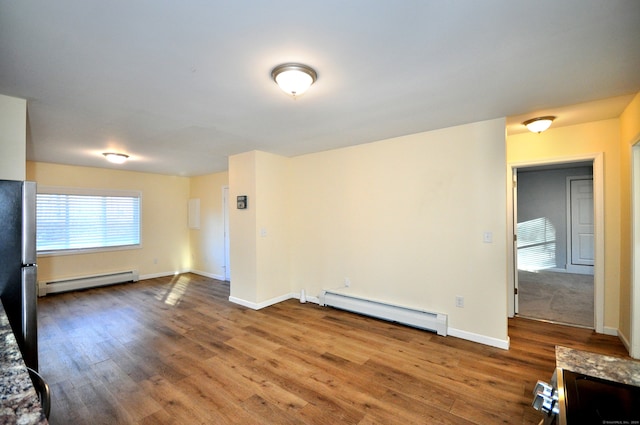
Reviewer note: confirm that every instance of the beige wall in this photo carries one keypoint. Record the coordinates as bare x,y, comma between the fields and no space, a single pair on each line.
590,138
630,122
13,138
630,135
272,220
207,242
165,235
243,228
260,234
403,219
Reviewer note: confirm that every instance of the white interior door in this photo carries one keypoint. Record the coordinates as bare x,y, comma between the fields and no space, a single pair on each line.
581,240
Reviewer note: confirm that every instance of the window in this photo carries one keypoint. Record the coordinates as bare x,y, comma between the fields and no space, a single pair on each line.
73,219
536,244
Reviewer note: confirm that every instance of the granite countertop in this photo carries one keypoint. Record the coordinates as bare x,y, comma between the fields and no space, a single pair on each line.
19,402
616,369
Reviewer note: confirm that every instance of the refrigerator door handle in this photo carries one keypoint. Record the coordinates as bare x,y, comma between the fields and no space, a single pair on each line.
29,253
30,316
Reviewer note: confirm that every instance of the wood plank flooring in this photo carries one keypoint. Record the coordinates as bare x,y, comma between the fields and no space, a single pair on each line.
176,351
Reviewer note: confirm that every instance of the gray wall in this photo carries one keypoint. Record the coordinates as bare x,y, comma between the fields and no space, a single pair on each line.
543,193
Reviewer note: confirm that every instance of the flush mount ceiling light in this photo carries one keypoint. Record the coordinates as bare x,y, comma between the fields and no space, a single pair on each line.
294,78
540,124
116,158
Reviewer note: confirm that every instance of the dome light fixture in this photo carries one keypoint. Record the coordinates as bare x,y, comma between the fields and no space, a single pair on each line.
116,158
540,124
294,78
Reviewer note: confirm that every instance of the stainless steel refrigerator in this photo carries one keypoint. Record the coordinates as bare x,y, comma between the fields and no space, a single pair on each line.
18,269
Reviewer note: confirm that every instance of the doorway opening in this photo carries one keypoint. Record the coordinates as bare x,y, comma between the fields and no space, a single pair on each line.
556,262
554,249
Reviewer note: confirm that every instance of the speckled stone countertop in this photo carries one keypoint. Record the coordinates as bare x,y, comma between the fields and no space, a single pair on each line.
600,366
19,402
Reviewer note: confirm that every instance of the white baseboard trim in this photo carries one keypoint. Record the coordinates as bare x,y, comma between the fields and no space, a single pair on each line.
244,303
610,331
263,304
272,301
198,272
207,274
314,300
625,341
162,274
480,339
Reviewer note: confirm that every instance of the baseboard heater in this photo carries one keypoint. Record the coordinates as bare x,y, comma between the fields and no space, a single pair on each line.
85,282
435,322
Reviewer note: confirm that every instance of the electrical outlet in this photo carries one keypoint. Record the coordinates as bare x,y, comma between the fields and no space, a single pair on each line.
459,302
347,282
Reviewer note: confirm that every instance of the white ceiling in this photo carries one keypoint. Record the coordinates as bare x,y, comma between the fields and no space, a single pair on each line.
181,85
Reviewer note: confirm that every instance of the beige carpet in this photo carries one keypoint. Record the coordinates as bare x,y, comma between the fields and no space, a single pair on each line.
558,297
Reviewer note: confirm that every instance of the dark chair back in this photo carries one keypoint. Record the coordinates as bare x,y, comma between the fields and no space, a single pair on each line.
42,388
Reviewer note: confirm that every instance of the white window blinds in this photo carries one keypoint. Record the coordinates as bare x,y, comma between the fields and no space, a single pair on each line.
72,219
536,244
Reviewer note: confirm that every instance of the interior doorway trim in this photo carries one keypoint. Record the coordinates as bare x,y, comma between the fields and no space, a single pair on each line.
634,349
598,205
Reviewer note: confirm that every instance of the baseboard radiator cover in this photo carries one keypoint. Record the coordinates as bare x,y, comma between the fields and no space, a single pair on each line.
436,322
85,282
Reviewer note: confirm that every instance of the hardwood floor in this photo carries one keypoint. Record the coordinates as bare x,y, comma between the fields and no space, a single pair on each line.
176,351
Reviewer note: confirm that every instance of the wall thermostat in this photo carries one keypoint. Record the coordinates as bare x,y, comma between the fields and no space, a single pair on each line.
242,202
